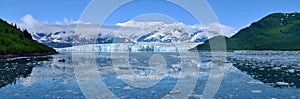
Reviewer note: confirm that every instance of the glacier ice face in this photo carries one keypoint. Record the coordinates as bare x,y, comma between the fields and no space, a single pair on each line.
133,47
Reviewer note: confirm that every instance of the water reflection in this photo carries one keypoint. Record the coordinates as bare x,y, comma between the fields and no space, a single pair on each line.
11,70
268,74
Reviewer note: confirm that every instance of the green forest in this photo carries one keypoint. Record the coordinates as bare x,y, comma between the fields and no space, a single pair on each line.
278,31
17,42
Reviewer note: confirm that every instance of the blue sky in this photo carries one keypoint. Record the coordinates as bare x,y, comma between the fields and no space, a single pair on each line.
235,13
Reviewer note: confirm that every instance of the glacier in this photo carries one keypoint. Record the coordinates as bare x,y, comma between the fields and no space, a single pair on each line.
132,47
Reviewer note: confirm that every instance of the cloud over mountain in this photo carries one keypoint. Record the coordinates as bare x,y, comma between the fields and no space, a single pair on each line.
133,31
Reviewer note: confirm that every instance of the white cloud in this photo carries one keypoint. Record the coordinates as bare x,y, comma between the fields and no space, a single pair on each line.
30,23
33,25
143,25
65,22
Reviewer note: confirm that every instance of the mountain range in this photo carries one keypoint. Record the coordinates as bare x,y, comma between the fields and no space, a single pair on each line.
129,32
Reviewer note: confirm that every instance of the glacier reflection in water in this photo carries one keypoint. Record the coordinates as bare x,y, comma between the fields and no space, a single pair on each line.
251,74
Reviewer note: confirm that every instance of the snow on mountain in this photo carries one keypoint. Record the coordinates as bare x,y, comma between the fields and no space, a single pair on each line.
62,34
56,40
176,32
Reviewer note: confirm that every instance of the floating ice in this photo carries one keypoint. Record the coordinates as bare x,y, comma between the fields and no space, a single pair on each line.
127,88
256,91
282,83
291,70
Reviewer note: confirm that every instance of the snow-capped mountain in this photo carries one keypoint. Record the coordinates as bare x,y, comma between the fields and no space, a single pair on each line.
173,35
129,32
63,34
68,38
56,40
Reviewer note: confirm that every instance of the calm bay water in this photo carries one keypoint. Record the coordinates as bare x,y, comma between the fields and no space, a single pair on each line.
248,74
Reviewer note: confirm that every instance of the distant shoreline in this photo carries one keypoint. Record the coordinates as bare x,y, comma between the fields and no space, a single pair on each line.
4,57
193,50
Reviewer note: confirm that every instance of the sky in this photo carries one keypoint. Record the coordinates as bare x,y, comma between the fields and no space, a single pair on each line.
234,13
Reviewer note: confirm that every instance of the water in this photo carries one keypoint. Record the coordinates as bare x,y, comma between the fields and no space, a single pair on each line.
247,74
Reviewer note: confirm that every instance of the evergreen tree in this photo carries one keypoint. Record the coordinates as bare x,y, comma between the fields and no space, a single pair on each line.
27,34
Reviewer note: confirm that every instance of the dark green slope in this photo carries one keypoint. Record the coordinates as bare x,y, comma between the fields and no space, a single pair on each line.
278,31
14,42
